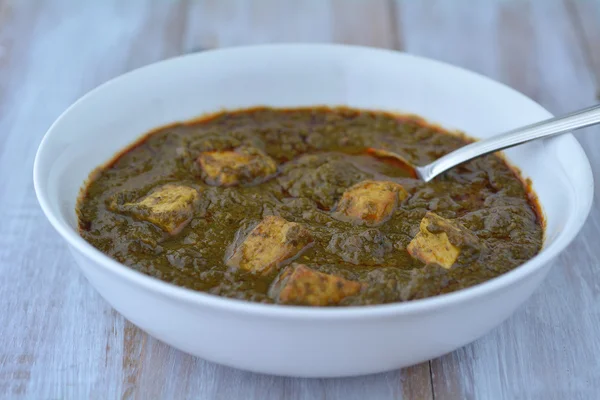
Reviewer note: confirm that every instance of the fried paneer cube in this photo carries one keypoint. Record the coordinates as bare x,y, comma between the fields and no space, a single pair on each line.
370,202
233,167
170,207
300,285
441,241
270,244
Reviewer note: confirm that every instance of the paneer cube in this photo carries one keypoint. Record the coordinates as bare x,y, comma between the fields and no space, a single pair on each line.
297,284
441,241
270,244
370,202
170,207
238,166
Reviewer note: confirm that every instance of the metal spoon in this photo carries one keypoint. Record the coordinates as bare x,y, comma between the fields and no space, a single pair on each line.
550,127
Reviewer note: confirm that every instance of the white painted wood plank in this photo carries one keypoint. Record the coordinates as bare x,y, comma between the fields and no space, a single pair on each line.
225,23
585,16
366,23
549,348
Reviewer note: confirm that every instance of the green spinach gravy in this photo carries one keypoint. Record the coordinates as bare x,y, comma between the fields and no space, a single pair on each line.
297,207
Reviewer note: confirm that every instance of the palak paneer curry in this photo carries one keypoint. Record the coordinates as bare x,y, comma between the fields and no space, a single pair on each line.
289,206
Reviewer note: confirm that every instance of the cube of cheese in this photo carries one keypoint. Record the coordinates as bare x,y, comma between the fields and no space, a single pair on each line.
297,284
440,241
272,242
170,207
233,167
370,202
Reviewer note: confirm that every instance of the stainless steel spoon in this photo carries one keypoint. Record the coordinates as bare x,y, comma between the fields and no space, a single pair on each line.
550,127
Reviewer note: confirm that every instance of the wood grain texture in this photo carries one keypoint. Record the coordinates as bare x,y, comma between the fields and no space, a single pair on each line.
549,348
585,16
59,339
366,23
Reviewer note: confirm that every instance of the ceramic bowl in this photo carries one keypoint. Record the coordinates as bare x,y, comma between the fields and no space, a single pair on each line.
302,341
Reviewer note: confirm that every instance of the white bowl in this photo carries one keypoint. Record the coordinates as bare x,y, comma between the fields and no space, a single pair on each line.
302,341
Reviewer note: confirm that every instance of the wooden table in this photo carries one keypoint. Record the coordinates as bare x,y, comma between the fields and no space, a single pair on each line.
60,340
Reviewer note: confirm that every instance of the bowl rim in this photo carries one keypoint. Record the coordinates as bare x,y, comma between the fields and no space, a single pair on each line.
198,298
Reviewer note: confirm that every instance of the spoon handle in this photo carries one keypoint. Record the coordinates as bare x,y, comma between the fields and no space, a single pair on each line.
550,127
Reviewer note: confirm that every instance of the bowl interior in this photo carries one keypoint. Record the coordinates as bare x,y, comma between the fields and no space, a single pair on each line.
115,114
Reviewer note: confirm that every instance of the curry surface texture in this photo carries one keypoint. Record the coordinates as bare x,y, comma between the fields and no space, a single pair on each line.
288,206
